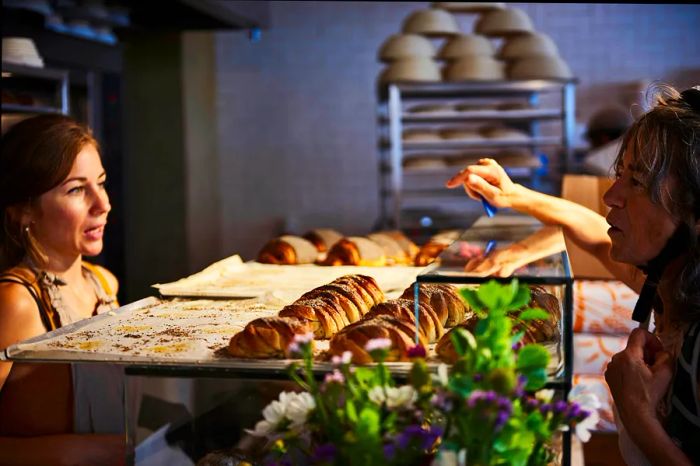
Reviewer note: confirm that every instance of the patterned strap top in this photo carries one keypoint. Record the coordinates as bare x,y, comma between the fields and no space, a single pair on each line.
45,288
683,421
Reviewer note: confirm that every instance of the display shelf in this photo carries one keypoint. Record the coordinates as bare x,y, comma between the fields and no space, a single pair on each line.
396,99
40,84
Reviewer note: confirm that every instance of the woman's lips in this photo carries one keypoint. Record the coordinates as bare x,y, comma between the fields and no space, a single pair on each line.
614,230
95,233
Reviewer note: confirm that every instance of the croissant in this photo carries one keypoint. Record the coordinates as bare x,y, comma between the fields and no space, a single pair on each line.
443,298
408,246
356,250
354,337
366,286
535,331
322,238
288,250
266,337
324,313
346,297
403,309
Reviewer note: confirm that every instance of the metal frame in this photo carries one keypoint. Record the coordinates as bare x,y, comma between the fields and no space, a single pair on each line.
61,76
391,118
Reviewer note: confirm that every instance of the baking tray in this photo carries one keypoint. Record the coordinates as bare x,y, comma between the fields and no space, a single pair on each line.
233,278
184,337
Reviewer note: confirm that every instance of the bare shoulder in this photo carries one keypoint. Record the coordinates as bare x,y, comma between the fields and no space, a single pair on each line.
111,279
19,314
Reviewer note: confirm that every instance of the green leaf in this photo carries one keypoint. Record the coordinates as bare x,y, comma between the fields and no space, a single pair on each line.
464,342
368,424
534,313
521,298
469,295
536,379
532,357
351,411
491,294
516,338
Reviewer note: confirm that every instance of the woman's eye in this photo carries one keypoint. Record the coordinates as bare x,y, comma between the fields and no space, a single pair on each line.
103,184
76,190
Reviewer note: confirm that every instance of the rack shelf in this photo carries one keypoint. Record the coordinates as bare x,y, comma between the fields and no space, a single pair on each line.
551,151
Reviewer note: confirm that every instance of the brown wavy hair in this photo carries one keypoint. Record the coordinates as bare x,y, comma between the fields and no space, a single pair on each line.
665,143
36,155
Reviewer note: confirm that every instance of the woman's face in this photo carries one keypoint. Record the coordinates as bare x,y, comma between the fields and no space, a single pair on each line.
70,219
639,229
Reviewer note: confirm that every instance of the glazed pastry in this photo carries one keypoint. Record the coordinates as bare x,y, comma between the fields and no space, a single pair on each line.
366,285
535,331
267,337
348,299
356,250
444,300
354,338
324,313
322,238
403,309
288,250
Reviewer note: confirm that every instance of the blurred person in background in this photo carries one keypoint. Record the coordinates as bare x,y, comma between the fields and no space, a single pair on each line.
54,211
651,240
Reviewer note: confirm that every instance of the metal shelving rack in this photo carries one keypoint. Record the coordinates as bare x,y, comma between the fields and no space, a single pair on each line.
61,104
397,191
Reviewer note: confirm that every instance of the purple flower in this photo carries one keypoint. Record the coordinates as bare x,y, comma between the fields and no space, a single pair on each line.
441,401
417,351
574,412
478,377
545,408
501,419
505,404
490,396
389,451
425,438
531,403
517,345
560,407
334,377
324,453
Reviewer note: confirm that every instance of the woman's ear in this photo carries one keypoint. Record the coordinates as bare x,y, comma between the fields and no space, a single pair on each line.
21,214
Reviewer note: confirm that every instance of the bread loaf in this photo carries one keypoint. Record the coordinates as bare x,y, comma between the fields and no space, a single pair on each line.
535,331
324,313
444,300
267,337
356,250
322,238
354,338
288,250
392,250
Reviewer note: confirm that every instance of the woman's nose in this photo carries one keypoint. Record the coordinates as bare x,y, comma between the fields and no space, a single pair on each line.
613,197
101,202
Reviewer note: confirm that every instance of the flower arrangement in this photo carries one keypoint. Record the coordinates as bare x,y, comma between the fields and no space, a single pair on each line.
488,408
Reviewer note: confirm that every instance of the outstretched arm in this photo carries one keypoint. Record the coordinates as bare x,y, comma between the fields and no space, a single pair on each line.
583,226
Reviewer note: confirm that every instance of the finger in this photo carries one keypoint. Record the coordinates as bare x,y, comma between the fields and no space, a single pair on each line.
482,187
491,172
663,363
471,193
458,179
637,342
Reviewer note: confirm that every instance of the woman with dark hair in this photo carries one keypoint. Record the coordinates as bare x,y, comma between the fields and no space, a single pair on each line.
54,210
650,241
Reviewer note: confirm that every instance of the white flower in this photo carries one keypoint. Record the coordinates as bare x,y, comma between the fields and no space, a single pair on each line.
376,395
274,412
544,395
298,408
442,375
401,397
393,397
378,344
344,359
262,429
589,402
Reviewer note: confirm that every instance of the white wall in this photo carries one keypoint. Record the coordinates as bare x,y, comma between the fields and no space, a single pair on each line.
296,110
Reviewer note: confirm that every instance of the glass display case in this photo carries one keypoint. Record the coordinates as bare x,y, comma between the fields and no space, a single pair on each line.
494,245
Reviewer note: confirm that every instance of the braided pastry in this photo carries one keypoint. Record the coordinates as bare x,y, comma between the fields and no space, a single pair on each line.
354,337
443,298
365,285
356,250
288,250
267,337
428,253
403,309
324,313
322,238
535,331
